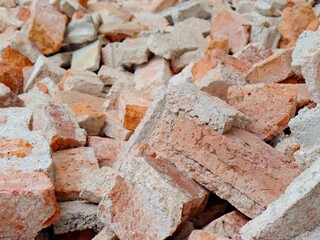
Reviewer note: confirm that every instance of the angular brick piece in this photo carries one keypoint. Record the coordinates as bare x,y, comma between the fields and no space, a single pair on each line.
93,189
47,36
252,54
11,76
170,45
134,51
27,204
204,235
60,126
155,213
152,76
77,216
237,166
73,98
106,234
11,55
82,30
82,81
231,25
8,98
210,110
106,149
185,10
43,68
274,69
148,7
215,208
295,19
117,32
25,151
113,127
293,214
89,118
132,108
109,75
228,225
217,81
269,107
213,59
72,168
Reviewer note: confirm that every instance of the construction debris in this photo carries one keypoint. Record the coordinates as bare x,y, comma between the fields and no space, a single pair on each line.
159,119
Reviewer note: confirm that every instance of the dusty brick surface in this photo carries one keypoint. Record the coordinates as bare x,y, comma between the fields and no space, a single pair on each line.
34,194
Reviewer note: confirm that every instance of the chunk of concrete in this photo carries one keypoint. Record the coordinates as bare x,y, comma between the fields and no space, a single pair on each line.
134,51
88,57
81,81
304,131
62,59
178,64
110,56
170,45
77,216
16,117
264,31
185,10
69,7
308,40
81,30
270,8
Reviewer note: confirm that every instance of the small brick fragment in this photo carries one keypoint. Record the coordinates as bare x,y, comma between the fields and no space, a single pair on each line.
28,204
72,168
269,107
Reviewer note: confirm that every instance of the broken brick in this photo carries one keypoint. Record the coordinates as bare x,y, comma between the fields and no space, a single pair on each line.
47,36
72,168
106,149
269,107
28,204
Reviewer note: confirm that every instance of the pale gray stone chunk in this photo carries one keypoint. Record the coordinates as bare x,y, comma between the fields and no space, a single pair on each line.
77,216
